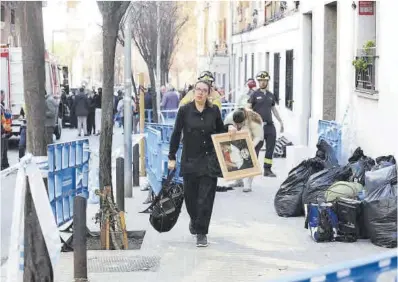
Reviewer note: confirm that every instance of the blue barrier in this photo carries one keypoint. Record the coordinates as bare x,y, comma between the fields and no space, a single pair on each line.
369,269
68,167
330,131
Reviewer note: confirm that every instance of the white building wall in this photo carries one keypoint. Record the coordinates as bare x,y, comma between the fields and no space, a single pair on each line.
372,120
277,37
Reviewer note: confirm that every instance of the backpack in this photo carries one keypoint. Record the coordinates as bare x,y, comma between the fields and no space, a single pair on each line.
343,189
322,222
166,207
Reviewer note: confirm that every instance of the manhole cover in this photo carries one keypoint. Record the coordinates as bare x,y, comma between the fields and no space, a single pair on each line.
123,264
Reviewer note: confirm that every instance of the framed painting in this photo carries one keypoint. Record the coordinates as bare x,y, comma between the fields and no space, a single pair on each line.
237,157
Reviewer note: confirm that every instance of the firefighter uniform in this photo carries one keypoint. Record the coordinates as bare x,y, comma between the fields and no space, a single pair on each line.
214,98
261,102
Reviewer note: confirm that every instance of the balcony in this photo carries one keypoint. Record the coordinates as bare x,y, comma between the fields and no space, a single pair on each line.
365,70
220,50
273,12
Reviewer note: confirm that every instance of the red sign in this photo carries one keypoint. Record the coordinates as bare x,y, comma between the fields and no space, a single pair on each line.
366,8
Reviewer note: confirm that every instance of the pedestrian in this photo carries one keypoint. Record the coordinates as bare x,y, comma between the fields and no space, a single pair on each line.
71,102
197,121
148,105
51,117
81,109
91,114
246,120
5,131
98,111
120,112
251,84
170,102
214,96
263,102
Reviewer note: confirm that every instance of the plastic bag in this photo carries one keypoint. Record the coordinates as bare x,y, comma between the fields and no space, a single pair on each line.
319,182
359,165
326,153
380,178
380,214
287,200
384,161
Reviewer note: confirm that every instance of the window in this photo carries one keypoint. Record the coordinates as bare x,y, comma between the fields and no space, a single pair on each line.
3,13
276,76
289,80
252,65
365,61
267,61
12,16
245,67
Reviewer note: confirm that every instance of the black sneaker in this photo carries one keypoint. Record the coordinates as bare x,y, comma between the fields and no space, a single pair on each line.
201,240
268,173
191,228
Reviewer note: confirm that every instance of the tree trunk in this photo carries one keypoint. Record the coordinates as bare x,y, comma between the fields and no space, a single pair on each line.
33,50
133,83
153,93
163,78
109,36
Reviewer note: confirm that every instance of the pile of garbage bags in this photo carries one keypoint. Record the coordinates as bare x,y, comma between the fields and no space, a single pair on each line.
343,203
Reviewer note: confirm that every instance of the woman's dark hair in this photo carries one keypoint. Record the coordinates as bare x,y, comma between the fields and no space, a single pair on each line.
208,103
239,116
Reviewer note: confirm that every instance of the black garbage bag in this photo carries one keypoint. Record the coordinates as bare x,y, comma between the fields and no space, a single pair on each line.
166,207
326,153
287,200
380,178
384,161
359,165
380,213
319,182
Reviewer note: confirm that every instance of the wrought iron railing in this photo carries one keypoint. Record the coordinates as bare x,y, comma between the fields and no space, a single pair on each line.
365,70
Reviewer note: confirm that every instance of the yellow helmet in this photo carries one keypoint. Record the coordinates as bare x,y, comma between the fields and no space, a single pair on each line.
263,75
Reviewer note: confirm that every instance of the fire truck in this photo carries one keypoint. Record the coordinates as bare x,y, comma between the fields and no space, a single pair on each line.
12,83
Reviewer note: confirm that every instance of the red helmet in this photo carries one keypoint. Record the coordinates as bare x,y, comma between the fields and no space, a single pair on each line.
251,84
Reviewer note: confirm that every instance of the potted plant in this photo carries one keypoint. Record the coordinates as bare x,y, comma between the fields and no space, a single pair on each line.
361,62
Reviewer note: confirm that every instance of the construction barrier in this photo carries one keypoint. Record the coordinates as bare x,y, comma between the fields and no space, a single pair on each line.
381,267
68,168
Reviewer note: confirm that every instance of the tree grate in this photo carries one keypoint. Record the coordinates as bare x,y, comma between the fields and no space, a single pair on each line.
123,264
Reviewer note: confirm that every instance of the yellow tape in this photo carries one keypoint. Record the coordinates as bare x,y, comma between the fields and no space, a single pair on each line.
267,161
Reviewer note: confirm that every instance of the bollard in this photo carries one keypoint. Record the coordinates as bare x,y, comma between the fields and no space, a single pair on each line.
37,263
80,238
120,183
136,165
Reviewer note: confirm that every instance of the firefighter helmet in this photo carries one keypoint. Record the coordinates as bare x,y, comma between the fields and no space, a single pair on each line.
263,75
206,76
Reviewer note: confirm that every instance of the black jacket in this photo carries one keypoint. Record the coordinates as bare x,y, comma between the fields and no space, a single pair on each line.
197,145
81,105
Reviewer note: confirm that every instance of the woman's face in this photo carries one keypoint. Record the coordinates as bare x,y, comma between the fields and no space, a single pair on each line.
201,92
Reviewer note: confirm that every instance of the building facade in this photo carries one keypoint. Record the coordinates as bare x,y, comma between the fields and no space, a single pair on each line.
353,64
9,29
214,34
328,60
267,35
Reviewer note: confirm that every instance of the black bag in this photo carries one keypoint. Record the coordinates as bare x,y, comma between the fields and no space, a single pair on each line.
327,153
166,207
380,212
360,164
319,182
287,200
348,215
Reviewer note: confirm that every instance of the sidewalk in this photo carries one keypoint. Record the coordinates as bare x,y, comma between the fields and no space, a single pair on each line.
248,242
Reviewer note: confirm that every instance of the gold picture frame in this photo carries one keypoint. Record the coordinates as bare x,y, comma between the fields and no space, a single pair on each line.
237,157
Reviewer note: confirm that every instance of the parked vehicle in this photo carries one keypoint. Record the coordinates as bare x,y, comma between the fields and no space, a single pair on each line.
12,83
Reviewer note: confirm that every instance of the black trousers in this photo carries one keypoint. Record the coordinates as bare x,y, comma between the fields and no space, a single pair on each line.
270,140
199,193
91,123
4,153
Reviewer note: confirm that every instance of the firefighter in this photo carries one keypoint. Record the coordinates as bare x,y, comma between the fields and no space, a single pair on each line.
6,131
263,102
214,96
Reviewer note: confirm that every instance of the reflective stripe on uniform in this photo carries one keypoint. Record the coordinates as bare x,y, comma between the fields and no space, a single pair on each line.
267,161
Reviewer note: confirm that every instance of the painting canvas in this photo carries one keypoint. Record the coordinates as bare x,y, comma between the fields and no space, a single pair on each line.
237,157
